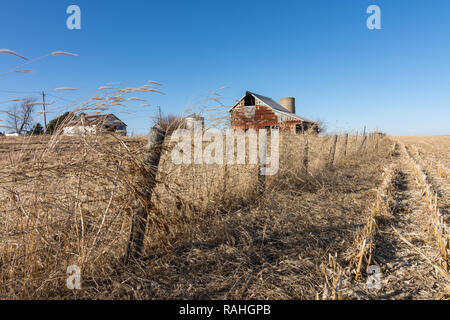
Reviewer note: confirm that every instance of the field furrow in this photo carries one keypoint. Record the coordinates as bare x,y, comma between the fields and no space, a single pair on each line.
404,244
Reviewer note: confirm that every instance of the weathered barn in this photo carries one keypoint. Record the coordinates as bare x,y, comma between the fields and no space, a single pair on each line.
254,111
96,125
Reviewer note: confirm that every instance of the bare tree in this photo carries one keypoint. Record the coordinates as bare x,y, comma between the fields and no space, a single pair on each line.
20,117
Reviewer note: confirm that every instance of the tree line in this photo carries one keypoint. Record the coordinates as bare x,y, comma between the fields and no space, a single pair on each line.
20,119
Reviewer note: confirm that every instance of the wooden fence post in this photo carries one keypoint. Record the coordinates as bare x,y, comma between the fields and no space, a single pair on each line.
377,142
332,151
362,143
152,157
262,162
305,156
345,144
225,179
261,179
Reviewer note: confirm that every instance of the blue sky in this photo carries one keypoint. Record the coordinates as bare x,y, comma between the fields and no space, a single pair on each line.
396,79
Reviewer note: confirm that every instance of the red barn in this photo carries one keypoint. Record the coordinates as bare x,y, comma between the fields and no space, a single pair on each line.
254,111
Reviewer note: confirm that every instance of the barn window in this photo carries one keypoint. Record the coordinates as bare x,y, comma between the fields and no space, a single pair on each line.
301,128
110,128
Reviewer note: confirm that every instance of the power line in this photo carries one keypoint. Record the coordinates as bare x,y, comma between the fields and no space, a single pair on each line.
61,98
8,91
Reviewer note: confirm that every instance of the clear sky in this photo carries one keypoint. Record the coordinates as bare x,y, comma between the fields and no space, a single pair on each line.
396,79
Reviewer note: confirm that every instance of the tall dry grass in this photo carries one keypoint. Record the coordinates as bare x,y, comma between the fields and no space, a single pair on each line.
68,201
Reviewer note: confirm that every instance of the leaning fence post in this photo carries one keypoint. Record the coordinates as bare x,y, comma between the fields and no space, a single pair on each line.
345,144
362,143
147,182
332,150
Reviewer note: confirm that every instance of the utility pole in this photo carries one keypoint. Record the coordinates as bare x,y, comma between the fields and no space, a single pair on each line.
45,113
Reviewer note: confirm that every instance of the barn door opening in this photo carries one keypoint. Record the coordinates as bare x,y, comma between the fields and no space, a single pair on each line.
249,106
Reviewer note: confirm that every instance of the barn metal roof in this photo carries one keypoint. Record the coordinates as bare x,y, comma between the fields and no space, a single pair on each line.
274,105
270,102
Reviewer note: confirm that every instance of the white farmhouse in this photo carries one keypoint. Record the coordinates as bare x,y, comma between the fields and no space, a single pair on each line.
96,125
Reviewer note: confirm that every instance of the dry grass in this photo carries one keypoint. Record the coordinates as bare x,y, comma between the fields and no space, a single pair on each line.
66,201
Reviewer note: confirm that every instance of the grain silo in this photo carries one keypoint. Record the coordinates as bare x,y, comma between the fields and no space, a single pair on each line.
288,103
192,119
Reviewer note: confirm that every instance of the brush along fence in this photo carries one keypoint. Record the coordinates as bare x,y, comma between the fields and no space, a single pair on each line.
147,182
441,230
157,162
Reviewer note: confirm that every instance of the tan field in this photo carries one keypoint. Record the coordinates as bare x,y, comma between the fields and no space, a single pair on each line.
437,148
314,230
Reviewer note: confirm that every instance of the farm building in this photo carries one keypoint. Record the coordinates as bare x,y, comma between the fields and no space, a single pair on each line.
190,120
96,125
254,111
